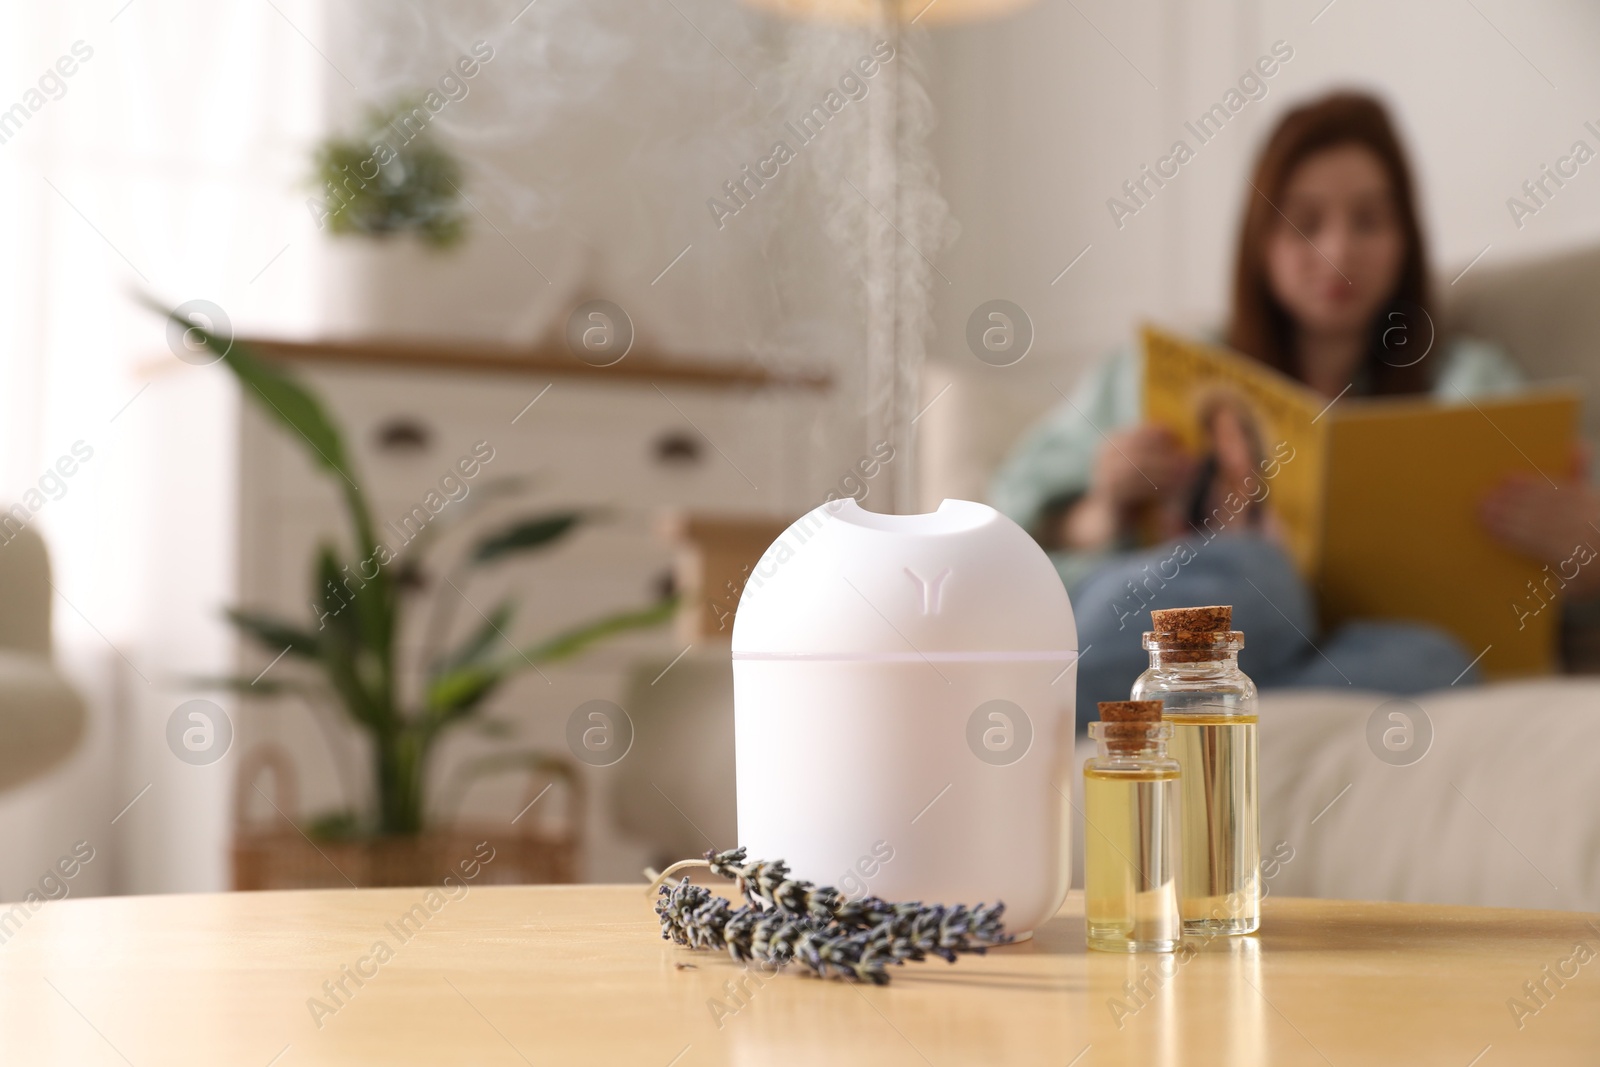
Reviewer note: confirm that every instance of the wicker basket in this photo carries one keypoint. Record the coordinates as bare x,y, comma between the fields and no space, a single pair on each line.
276,854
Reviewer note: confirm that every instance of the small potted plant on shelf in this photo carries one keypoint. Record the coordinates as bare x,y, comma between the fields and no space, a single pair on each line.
410,251
361,598
392,177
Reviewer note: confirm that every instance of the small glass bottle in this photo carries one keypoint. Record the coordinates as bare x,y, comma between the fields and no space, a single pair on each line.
1211,706
1130,849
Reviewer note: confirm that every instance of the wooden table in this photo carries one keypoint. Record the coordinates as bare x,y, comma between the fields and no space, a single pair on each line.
570,975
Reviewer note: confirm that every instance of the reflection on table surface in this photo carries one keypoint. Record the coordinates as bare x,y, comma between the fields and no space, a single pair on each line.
580,974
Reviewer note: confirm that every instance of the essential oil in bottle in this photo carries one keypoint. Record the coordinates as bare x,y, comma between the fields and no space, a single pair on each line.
1211,706
1130,850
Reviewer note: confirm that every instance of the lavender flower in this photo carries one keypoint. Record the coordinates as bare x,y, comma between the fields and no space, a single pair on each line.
787,920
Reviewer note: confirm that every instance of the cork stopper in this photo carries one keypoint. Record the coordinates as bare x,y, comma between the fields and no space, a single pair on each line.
1125,724
1130,711
1204,620
1194,634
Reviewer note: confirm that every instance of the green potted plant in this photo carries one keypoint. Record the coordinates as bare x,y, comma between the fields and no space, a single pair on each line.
413,250
388,179
352,646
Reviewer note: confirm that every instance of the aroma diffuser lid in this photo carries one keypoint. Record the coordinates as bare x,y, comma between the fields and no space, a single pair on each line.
846,582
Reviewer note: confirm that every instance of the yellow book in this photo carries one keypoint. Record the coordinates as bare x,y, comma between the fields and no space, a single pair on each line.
1374,498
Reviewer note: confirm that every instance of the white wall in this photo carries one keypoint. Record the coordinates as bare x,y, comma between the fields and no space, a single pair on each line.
1042,120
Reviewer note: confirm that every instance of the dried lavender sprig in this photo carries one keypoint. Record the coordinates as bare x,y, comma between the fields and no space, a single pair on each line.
777,939
767,883
692,915
942,931
953,926
792,920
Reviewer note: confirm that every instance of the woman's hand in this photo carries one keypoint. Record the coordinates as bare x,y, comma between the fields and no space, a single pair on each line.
1135,466
1554,524
1140,464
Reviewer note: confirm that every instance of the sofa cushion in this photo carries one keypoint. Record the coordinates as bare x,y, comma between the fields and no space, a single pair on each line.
1500,810
1543,311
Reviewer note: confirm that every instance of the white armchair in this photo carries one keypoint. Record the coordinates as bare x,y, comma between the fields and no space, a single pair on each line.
41,716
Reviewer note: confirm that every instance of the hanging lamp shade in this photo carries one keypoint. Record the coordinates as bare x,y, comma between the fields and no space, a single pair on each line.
865,11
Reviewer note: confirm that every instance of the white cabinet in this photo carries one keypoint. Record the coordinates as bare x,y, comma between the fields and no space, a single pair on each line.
624,449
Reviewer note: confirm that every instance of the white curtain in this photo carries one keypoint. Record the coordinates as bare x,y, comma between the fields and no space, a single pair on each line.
164,164
154,147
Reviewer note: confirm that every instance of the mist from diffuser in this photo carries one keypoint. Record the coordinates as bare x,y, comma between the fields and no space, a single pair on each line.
919,11
903,705
906,225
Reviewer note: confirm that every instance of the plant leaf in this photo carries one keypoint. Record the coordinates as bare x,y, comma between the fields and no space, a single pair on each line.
286,399
526,534
456,693
341,649
484,495
420,193
249,687
482,640
295,407
570,642
335,826
275,634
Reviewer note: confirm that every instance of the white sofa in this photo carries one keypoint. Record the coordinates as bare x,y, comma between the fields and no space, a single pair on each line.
1498,811
1503,809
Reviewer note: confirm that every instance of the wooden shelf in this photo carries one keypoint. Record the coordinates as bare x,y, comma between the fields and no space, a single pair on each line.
637,366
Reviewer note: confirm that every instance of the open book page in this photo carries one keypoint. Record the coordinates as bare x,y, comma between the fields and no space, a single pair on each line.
1375,498
1402,535
1256,433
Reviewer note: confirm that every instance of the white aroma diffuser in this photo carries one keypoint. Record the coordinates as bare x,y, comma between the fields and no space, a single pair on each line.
904,708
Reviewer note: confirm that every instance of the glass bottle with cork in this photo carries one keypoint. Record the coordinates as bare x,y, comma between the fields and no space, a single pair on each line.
1130,808
1211,707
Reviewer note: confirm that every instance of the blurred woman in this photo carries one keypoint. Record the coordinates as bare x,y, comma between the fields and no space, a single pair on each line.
1331,287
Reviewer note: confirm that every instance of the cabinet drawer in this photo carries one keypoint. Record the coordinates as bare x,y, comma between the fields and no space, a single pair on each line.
581,442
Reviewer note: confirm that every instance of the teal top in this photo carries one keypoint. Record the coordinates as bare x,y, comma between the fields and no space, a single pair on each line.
1052,463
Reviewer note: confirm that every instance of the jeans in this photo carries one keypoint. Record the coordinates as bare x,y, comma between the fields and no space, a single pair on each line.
1271,605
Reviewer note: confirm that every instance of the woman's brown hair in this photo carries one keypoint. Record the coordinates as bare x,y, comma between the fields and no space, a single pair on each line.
1261,327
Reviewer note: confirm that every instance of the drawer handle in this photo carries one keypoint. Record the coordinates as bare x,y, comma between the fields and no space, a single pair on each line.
675,446
403,434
